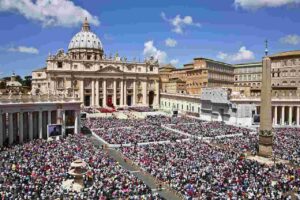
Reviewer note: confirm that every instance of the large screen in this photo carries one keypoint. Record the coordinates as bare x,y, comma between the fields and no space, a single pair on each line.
54,130
256,119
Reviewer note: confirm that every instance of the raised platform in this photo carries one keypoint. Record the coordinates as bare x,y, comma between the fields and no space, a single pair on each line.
267,161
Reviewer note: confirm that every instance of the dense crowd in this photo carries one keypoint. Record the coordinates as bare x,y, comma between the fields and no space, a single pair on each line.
37,169
209,129
112,122
138,134
164,120
287,144
201,171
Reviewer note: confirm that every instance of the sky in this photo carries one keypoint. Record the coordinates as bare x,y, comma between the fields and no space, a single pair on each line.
172,31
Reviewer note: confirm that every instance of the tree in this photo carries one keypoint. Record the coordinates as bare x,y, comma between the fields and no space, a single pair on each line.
27,81
2,85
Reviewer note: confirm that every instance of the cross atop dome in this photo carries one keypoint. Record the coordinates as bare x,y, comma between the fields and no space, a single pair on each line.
85,25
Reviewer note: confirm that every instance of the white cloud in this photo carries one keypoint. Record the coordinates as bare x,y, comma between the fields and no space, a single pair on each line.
49,12
174,61
24,49
170,42
151,50
179,23
242,55
256,4
291,39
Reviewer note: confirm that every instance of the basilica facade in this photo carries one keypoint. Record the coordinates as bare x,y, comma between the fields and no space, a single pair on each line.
85,72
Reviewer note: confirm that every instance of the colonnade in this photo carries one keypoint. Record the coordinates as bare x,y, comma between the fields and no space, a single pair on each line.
286,115
19,127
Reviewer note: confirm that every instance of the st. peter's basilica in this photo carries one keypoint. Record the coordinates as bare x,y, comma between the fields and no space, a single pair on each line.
98,80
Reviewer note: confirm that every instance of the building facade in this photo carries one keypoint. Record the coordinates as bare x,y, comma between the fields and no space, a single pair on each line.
201,73
98,80
183,103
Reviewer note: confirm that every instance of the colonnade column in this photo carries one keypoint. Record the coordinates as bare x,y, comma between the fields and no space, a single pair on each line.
122,93
1,130
298,115
63,123
93,93
40,125
97,93
290,115
30,127
115,93
275,115
282,115
125,92
134,93
82,91
77,122
104,92
10,128
157,93
144,86
21,128
49,117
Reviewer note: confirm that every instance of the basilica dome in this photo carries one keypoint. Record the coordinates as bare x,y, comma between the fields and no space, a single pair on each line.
85,39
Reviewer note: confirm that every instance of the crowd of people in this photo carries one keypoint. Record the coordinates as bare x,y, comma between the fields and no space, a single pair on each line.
36,170
209,129
202,171
111,122
287,144
140,134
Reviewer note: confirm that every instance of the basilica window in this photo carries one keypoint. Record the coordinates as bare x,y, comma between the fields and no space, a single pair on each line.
151,68
59,64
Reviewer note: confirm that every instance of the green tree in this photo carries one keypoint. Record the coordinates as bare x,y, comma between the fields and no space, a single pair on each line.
27,81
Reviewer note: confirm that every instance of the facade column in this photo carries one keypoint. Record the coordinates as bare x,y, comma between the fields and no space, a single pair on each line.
275,115
30,127
122,93
282,115
21,128
290,115
97,93
104,92
93,93
125,92
144,86
10,128
134,93
1,130
115,93
298,115
40,125
82,91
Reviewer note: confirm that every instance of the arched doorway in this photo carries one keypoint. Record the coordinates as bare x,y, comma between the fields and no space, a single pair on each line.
151,98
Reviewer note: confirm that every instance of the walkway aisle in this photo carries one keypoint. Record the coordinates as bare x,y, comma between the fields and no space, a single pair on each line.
149,180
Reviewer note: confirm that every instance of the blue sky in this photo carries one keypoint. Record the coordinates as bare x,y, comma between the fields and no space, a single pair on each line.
174,31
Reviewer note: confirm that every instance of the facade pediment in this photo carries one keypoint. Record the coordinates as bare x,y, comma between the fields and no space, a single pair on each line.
109,69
